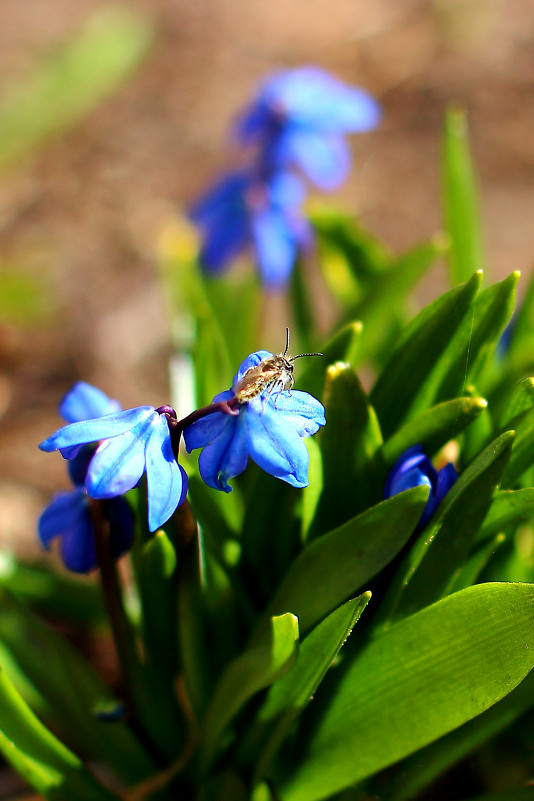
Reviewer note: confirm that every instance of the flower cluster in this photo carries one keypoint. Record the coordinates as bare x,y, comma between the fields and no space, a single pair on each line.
109,450
296,124
414,469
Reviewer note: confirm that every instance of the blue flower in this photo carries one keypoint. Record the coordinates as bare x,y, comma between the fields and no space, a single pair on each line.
131,442
414,469
68,517
268,429
243,212
299,118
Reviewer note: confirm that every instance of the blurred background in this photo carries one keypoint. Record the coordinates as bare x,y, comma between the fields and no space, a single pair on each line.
114,118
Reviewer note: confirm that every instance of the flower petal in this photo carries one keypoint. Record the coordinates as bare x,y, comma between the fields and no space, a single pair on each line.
324,158
226,456
78,550
166,481
447,476
207,428
85,402
300,410
119,463
276,446
70,437
121,526
62,513
276,246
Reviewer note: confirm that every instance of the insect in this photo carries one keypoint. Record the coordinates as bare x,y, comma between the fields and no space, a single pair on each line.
274,373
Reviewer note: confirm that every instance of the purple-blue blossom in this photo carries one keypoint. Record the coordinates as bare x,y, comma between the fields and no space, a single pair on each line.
414,469
242,212
299,118
269,429
68,515
131,443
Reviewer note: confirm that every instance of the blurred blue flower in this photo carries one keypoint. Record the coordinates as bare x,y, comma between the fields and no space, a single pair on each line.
268,430
68,517
242,212
414,469
298,119
131,442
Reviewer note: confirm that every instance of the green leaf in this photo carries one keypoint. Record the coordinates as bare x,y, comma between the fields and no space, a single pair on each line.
473,345
342,347
418,771
388,290
474,564
417,353
460,200
334,566
445,542
72,81
508,508
39,756
521,401
433,427
257,667
521,459
350,446
68,691
289,695
414,683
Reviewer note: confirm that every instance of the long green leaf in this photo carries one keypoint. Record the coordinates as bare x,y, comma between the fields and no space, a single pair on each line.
413,684
508,507
39,756
289,695
460,200
333,567
341,348
419,348
257,667
447,538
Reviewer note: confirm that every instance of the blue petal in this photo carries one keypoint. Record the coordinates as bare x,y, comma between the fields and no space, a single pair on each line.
276,247
300,410
325,159
79,464
77,548
61,514
85,402
119,463
411,458
69,438
286,191
313,97
166,482
226,456
121,526
276,447
207,428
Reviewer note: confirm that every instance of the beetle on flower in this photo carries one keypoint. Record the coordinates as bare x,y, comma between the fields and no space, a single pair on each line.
268,428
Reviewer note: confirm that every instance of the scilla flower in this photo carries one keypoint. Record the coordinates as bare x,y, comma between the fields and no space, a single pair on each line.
68,516
414,469
130,443
243,212
268,428
299,118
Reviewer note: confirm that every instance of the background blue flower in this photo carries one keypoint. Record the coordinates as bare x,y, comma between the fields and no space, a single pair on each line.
269,432
299,118
414,469
243,212
131,442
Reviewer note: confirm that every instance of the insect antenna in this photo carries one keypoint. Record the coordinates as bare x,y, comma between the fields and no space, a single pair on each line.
292,358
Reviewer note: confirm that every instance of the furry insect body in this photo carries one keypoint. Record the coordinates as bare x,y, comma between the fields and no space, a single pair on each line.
274,373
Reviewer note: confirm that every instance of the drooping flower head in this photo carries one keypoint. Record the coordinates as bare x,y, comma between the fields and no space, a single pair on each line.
268,429
241,212
68,516
131,442
414,469
299,118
